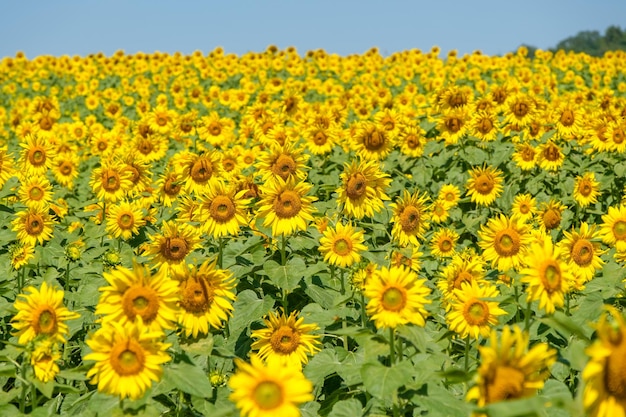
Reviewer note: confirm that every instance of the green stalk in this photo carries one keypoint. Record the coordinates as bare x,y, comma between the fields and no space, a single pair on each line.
220,256
283,252
467,349
392,345
363,311
527,315
24,387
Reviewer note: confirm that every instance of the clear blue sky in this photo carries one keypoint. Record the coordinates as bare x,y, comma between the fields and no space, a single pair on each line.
73,27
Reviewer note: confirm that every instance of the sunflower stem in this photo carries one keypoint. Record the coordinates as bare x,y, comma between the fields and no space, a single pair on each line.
527,315
283,253
220,255
67,276
467,349
392,345
363,316
33,397
24,387
343,284
567,298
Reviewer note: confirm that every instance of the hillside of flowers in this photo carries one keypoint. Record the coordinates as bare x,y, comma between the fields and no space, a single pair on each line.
285,234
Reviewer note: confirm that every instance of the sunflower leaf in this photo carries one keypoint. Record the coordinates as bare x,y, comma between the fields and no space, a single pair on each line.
189,379
382,381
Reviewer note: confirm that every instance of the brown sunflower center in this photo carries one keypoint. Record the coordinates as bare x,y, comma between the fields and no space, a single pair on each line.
268,395
520,109
171,186
34,224
287,204
356,186
527,153
197,295
111,180
582,252
66,168
127,358
585,188
551,219
507,242
161,120
393,299
567,118
615,372
215,128
284,166
618,136
550,274
285,340
476,312
551,152
342,246
36,193
524,208
229,164
140,301
222,208
135,175
45,321
102,145
484,184
174,248
461,277
374,141
453,124
505,383
201,170
145,146
37,156
126,221
412,141
619,230
485,126
410,218
445,245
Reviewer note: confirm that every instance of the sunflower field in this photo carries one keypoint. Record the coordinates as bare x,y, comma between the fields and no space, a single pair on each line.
277,234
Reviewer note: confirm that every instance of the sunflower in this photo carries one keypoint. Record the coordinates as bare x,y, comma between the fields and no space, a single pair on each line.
198,171
569,120
65,169
524,207
139,169
111,182
270,390
453,124
443,242
550,215
503,241
409,257
171,247
285,206
20,253
548,277
342,246
509,369
397,296
33,225
6,166
580,250
613,230
449,193
362,189
520,109
287,161
223,210
320,140
161,119
484,185
128,359
410,218
169,186
372,142
286,340
604,376
124,220
41,312
206,296
586,189
412,140
525,156
464,267
439,211
139,293
549,156
37,155
471,314
483,126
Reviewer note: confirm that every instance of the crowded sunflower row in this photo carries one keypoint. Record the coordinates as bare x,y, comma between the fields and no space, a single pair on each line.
286,234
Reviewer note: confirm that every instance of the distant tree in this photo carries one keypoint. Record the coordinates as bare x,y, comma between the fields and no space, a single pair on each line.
593,43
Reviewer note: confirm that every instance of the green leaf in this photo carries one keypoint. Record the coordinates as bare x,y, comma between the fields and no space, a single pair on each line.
248,308
564,325
382,381
7,371
347,408
321,365
189,379
46,388
285,277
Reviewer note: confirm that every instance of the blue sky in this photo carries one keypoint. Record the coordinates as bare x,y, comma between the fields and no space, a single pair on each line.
344,27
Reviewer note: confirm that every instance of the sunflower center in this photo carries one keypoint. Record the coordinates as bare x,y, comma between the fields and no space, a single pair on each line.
161,120
585,188
342,246
140,301
66,168
476,312
528,154
287,204
268,395
102,145
229,164
410,218
374,141
36,193
357,186
551,276
582,252
201,170
215,128
126,221
284,166
135,175
520,109
145,146
619,230
412,141
197,296
551,152
34,224
506,383
485,126
174,248
453,124
507,242
171,187
551,219
524,208
445,245
393,299
285,340
618,136
567,118
37,156
615,372
222,208
484,184
461,277
127,358
45,322
111,180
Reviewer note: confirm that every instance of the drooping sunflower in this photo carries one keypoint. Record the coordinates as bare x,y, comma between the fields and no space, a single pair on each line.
223,210
270,390
396,296
524,206
509,369
484,185
33,225
409,257
139,293
41,312
342,245
286,340
581,251
362,189
548,277
443,243
171,247
471,313
128,359
287,161
504,241
124,219
206,297
111,182
285,206
613,230
586,189
410,218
